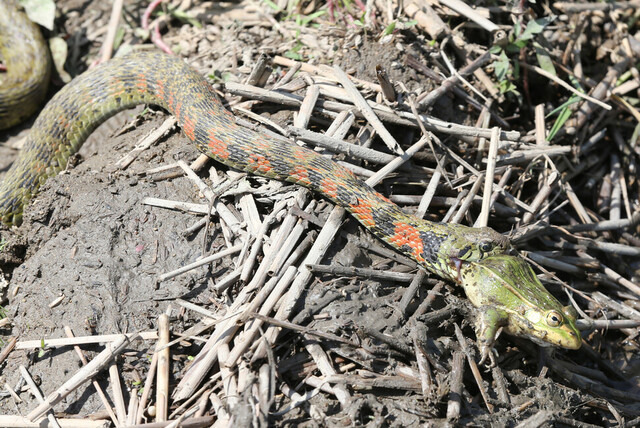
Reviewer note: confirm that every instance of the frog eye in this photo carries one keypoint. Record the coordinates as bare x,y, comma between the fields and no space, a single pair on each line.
485,246
554,319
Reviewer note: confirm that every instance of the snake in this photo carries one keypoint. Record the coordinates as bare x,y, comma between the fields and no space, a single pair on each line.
156,78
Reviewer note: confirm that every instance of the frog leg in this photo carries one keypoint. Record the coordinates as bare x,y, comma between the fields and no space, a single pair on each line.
489,320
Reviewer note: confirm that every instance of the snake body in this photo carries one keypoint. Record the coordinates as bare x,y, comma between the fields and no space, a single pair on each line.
151,77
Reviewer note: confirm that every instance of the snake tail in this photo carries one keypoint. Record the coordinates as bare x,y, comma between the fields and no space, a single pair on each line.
25,56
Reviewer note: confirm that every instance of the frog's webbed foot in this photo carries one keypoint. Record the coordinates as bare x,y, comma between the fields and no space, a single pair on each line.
488,322
487,352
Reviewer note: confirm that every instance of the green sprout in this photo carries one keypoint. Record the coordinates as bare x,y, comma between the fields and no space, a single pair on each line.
505,71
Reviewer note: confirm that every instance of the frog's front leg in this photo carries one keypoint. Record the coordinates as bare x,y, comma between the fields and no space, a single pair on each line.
488,322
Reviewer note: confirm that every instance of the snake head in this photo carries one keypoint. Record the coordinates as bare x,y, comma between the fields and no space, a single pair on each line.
446,248
481,243
472,245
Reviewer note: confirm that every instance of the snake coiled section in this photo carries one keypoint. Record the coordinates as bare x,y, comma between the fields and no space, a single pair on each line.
152,77
24,53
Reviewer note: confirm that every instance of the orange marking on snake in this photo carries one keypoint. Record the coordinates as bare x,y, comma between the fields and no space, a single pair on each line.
259,163
188,127
405,234
217,147
141,83
117,91
177,111
298,152
343,173
364,211
62,120
381,196
260,144
300,174
215,112
329,186
160,89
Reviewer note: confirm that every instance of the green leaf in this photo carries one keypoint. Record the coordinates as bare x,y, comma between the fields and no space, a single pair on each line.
185,17
222,77
535,27
293,55
308,19
635,136
389,29
59,51
516,45
505,87
544,60
41,351
517,29
501,66
293,52
42,12
565,114
572,100
272,5
117,41
576,83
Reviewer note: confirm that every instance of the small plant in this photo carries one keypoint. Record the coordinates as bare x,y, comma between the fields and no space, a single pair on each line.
302,20
293,53
396,25
564,113
42,349
506,72
223,77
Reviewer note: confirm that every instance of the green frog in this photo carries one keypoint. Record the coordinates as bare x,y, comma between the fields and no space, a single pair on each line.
507,294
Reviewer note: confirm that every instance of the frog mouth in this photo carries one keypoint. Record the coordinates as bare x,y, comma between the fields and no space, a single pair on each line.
538,341
545,341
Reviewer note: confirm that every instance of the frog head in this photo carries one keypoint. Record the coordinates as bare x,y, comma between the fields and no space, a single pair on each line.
547,327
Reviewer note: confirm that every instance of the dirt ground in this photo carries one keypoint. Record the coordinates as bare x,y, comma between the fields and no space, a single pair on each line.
90,244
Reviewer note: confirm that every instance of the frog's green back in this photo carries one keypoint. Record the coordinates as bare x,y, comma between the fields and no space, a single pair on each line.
517,284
